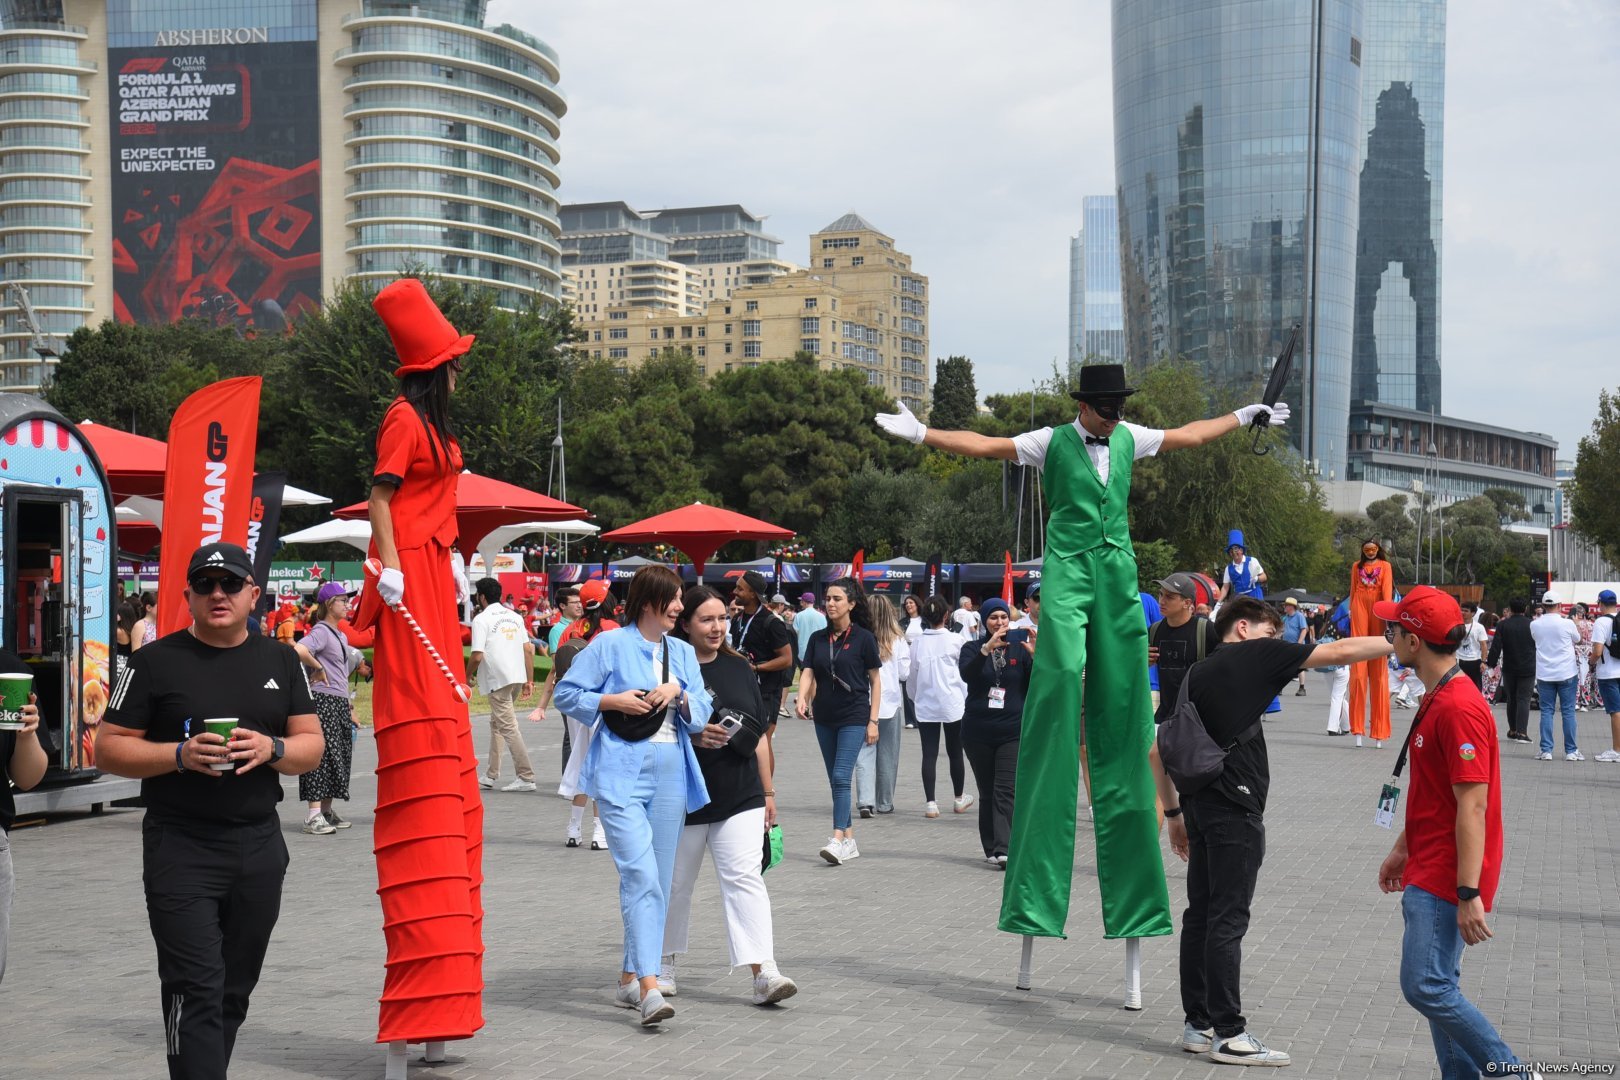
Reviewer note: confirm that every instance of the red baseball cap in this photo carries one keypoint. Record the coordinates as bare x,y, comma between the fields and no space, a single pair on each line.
1425,611
592,593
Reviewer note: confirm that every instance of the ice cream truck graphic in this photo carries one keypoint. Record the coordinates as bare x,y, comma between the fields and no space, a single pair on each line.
57,590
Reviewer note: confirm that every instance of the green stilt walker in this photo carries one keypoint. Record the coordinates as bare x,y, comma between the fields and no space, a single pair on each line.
1091,621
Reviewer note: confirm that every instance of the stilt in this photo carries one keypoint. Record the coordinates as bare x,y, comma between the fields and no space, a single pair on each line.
1024,962
1133,974
394,1068
434,1053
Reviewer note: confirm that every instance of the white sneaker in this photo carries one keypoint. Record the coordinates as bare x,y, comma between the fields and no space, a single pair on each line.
666,977
1608,755
627,995
1197,1040
931,810
519,785
833,852
850,850
1545,755
963,802
1245,1049
1574,755
599,839
769,989
485,782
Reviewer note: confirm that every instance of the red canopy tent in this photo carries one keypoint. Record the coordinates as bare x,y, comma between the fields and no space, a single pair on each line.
697,530
484,504
135,464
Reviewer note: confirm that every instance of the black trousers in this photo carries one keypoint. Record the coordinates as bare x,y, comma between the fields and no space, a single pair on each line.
213,893
930,755
910,707
1518,689
1474,669
995,771
1227,845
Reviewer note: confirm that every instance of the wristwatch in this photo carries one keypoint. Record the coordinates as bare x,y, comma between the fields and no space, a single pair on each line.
278,749
1466,892
1173,812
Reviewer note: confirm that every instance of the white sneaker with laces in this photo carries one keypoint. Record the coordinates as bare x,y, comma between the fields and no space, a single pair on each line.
772,988
833,852
485,782
963,802
931,810
1196,1040
519,785
1574,755
850,850
1545,755
627,995
599,839
1608,755
666,977
1245,1049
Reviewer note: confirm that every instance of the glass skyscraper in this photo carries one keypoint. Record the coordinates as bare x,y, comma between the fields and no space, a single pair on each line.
1102,318
1236,138
1396,355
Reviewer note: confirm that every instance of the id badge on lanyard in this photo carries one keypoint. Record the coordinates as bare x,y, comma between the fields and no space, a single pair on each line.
1389,796
998,697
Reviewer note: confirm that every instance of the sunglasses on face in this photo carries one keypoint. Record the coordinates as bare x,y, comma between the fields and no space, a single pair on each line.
203,584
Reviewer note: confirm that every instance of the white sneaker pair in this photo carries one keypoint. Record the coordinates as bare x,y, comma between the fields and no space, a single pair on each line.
837,852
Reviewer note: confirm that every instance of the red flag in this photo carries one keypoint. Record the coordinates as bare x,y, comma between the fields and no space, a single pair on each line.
858,564
1006,579
208,484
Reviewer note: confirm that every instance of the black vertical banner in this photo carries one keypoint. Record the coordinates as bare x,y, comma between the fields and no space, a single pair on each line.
264,521
932,573
778,568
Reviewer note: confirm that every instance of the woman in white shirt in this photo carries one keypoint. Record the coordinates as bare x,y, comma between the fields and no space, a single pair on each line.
939,696
879,762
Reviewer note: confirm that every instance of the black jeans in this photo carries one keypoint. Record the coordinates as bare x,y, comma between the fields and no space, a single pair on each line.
213,893
995,771
930,755
1474,669
1227,846
1518,701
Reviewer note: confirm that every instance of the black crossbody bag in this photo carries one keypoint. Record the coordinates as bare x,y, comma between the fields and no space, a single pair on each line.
643,727
1190,756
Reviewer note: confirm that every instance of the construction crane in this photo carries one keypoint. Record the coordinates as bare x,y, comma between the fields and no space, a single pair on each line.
47,346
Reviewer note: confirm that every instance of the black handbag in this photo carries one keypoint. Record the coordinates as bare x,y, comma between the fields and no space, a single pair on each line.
642,727
745,740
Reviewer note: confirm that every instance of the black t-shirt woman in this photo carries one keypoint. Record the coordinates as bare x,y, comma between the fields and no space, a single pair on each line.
741,807
996,668
841,689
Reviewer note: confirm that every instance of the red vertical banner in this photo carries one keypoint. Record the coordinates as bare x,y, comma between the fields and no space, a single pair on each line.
857,564
208,488
1006,578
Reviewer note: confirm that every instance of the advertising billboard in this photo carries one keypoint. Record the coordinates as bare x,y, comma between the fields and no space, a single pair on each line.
215,146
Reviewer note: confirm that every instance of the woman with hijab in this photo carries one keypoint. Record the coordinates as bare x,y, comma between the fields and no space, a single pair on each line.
934,681
996,669
737,773
644,787
842,690
1372,580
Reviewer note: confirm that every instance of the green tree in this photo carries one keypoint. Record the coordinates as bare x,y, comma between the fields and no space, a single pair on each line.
1594,510
1506,580
956,400
1155,561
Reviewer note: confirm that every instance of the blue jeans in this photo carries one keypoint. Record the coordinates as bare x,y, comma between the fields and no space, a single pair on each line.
1564,690
643,835
840,746
878,766
1431,950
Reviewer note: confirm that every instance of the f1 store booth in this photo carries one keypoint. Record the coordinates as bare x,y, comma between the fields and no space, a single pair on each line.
58,557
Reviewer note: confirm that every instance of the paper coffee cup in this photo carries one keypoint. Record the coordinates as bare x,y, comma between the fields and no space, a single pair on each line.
14,691
222,727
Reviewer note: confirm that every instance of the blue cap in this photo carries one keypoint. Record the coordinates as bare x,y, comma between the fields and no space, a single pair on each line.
1606,596
1033,591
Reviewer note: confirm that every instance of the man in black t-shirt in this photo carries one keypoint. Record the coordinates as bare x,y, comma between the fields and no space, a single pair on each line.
1223,838
213,857
767,643
1173,641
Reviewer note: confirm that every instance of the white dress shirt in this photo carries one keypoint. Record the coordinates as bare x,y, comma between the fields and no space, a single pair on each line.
933,679
1032,446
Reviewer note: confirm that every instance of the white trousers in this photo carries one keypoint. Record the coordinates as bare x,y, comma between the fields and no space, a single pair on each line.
579,741
1338,718
737,844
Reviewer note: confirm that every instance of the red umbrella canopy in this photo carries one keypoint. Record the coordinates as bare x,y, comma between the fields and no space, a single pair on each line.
697,530
135,464
484,504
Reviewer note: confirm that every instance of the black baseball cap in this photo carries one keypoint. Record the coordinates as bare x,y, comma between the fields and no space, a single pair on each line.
227,557
1180,584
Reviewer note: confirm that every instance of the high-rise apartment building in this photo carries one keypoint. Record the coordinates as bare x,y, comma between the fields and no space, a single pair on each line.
1075,349
1236,131
1396,354
1102,313
241,156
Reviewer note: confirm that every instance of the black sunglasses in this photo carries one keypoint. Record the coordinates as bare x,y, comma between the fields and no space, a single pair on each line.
203,584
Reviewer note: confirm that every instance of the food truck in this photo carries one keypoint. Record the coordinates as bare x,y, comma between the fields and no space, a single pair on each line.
57,588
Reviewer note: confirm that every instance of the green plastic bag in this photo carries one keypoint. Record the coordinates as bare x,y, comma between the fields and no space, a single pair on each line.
773,848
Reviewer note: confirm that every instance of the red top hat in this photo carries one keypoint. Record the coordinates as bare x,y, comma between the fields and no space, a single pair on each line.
423,337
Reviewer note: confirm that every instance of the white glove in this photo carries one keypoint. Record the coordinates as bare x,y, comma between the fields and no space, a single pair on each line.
1279,414
458,578
902,425
391,586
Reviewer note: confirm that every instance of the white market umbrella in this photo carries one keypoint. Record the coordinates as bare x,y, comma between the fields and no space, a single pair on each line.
337,531
503,535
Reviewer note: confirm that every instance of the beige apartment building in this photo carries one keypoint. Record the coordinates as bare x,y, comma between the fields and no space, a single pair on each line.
860,305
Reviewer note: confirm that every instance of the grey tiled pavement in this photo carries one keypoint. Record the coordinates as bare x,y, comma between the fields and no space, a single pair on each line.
901,969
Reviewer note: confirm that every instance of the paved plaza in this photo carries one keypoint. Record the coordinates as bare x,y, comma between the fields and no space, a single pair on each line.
901,970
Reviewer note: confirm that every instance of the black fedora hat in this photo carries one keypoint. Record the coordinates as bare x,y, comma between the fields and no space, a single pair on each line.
1102,381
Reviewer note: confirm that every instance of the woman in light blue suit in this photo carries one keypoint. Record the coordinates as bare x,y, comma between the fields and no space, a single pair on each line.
643,789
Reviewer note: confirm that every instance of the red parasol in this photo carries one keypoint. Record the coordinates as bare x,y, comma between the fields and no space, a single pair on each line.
484,504
697,530
135,464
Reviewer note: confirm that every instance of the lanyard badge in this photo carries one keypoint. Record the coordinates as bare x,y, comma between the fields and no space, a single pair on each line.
1390,794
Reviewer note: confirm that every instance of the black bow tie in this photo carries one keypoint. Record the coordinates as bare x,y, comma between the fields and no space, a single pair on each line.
1096,440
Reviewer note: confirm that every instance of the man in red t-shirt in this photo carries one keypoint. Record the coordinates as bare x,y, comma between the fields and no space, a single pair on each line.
1447,860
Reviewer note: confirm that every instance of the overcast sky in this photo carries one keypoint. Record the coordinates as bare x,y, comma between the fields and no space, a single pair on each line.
970,132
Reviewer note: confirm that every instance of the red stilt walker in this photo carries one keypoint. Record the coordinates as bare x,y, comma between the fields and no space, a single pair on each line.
430,816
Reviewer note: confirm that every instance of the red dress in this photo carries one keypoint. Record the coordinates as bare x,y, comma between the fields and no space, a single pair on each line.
430,815
1370,582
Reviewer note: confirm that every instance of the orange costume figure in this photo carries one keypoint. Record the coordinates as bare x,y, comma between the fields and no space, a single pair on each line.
430,816
1372,579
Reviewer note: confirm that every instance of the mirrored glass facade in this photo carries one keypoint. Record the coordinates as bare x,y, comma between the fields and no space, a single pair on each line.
1396,355
1102,315
1075,348
1236,132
